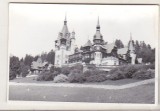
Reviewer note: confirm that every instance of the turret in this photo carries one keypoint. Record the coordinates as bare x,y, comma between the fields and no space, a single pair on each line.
98,41
98,38
72,42
131,49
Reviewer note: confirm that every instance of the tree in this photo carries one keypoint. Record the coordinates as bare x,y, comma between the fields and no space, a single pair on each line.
28,60
152,58
149,47
24,69
14,67
36,57
44,56
51,56
119,44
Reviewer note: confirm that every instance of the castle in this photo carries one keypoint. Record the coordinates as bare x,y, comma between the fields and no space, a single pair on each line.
99,52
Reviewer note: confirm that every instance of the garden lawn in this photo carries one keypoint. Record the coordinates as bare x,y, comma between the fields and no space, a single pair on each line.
138,94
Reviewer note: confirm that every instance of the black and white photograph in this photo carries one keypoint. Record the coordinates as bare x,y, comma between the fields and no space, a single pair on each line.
82,53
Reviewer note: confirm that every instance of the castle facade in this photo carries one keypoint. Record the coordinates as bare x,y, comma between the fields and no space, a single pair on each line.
97,52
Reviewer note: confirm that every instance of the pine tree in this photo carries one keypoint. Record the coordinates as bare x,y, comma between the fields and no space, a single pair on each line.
50,57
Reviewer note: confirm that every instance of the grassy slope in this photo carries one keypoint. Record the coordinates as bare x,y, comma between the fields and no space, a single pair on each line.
139,94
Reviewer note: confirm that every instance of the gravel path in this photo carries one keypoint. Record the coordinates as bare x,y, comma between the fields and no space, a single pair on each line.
113,87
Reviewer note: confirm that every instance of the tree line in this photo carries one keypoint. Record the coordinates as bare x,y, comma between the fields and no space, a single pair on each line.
142,50
21,66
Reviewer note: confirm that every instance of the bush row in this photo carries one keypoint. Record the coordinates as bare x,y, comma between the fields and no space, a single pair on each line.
139,71
75,74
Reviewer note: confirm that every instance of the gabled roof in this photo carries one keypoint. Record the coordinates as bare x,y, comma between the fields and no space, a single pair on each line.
88,43
110,47
122,51
38,64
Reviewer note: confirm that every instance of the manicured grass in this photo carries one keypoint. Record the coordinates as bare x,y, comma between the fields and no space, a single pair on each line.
139,94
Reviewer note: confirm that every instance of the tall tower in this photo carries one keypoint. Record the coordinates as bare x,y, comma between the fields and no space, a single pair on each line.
98,41
132,50
62,46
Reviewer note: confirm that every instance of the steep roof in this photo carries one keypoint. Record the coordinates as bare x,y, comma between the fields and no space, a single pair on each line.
38,64
64,30
131,45
110,47
98,35
122,51
88,43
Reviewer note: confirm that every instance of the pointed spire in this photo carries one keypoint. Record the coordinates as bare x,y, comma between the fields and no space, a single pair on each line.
98,25
98,21
131,45
65,20
65,32
130,36
98,35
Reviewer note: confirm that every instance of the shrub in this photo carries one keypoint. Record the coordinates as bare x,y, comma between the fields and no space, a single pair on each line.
57,69
151,66
91,66
116,75
144,74
45,76
52,69
60,78
65,70
77,66
76,76
128,71
88,73
95,75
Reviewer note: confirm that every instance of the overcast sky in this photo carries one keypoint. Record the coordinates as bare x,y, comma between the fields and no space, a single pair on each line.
33,28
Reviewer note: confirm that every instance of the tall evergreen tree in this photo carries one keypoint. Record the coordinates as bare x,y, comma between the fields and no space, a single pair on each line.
51,56
28,60
44,56
14,67
119,43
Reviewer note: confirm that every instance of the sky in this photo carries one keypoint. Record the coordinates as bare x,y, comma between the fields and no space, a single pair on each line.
33,28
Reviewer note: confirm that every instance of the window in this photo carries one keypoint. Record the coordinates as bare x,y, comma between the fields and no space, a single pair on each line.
114,62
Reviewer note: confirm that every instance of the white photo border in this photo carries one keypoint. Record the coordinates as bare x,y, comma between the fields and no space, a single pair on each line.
38,105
